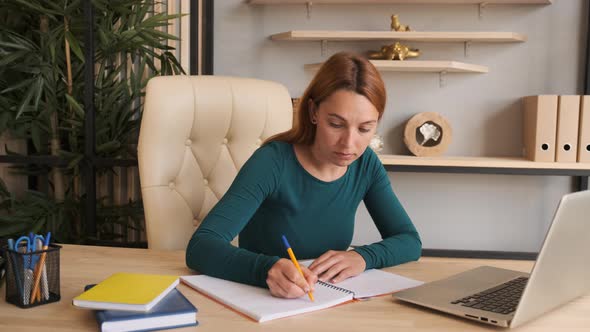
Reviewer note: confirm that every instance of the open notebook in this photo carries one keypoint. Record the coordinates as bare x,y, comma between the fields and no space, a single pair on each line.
258,304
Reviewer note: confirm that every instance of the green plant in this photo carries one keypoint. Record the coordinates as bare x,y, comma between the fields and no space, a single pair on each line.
41,99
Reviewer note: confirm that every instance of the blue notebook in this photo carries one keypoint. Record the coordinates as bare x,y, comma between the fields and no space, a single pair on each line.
173,311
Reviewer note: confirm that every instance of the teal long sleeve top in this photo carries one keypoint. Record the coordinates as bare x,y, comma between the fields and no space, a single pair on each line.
273,195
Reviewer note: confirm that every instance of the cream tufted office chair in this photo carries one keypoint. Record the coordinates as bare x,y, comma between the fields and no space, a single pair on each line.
196,133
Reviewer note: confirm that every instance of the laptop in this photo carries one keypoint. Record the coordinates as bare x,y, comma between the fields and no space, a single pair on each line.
510,298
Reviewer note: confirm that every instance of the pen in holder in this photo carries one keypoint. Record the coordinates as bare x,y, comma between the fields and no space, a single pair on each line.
32,277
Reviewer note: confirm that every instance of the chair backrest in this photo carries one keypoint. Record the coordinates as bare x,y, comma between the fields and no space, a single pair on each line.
196,133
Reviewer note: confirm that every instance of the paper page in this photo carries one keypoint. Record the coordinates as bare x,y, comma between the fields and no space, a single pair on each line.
374,282
258,303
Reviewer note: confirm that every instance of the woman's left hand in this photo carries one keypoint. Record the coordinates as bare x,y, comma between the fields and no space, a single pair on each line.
335,266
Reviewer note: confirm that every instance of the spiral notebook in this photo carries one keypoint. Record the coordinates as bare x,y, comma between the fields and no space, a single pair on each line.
257,303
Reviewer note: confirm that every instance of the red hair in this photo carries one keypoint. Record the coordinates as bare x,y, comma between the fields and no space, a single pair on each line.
342,71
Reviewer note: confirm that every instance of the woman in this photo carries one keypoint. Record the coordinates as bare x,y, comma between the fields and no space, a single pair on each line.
307,184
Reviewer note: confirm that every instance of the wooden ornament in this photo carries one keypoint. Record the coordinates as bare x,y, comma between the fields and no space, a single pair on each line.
427,134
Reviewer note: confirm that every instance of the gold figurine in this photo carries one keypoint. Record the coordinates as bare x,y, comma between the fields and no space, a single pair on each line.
395,51
396,26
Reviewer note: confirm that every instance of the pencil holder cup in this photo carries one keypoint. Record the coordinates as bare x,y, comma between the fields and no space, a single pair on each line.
32,278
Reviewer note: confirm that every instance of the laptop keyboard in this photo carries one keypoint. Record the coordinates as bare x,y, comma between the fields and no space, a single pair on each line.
501,299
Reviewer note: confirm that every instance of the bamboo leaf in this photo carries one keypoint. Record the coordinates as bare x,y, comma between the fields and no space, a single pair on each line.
102,131
38,198
148,40
151,64
12,57
39,92
26,68
162,17
75,106
175,62
74,162
109,146
142,11
19,40
75,46
149,52
102,37
67,154
102,5
160,34
75,123
52,51
129,34
15,46
13,229
23,40
36,136
71,8
39,224
55,6
40,10
18,85
43,127
25,102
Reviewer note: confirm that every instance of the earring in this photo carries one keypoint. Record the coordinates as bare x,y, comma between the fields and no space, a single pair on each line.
314,121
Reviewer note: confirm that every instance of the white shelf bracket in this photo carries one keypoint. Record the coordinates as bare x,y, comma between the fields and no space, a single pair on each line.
466,47
308,7
441,78
324,47
482,7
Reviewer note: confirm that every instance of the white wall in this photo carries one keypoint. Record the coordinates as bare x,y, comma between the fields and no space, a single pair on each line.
451,211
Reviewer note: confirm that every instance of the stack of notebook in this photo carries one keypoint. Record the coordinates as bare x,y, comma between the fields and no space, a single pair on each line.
138,302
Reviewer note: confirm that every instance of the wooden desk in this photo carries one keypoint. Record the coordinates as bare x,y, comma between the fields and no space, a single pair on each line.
81,265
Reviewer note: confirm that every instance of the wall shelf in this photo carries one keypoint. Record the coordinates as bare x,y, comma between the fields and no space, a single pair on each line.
406,2
453,165
482,165
419,36
420,66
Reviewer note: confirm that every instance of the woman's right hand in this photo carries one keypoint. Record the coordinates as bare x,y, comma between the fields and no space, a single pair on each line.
285,281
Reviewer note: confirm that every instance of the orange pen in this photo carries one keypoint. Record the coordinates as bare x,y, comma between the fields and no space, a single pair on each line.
294,260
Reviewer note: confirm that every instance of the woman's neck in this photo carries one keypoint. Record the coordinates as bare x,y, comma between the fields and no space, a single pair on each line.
314,164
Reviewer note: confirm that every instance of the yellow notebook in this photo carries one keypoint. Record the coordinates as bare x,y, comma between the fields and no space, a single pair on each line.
127,291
